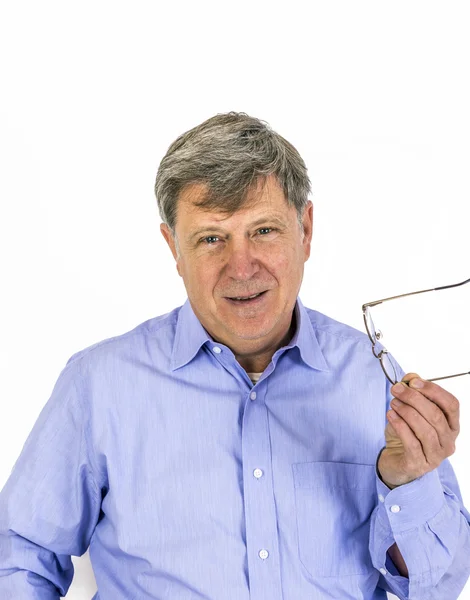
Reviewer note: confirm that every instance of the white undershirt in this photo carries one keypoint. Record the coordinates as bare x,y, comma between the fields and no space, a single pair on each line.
254,376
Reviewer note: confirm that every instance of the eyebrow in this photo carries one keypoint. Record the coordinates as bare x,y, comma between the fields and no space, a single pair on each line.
215,226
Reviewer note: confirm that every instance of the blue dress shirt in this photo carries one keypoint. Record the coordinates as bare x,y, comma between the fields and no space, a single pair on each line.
188,482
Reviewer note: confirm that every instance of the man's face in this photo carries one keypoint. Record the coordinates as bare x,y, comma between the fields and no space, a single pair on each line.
257,249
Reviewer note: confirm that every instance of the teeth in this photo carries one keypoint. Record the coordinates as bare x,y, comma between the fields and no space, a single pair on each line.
247,298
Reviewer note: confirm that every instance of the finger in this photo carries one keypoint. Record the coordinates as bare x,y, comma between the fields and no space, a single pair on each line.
447,402
425,433
427,408
409,376
434,416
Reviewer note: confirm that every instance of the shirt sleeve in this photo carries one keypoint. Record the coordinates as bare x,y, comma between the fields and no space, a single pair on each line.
50,503
427,520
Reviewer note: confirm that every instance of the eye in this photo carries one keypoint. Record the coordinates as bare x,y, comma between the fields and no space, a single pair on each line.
268,229
209,237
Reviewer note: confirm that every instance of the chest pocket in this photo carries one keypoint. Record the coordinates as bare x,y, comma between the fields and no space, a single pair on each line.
334,502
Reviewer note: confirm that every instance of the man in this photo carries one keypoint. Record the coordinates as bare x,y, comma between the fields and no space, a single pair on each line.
234,448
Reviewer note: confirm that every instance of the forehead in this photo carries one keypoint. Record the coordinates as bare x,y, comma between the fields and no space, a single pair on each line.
264,199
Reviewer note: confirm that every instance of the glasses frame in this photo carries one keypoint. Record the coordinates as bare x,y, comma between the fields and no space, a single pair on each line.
378,334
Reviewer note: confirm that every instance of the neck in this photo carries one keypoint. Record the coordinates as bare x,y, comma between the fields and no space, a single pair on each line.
257,363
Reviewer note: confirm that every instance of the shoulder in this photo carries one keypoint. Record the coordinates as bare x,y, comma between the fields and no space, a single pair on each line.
325,326
337,339
143,340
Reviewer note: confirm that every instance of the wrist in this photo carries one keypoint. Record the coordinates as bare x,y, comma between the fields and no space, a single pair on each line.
382,471
390,486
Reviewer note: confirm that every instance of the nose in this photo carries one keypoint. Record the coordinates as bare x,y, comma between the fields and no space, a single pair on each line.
242,260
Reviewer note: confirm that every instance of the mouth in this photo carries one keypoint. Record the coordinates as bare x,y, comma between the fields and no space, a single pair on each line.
247,300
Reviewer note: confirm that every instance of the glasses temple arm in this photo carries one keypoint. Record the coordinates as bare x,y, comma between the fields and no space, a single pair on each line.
443,287
449,376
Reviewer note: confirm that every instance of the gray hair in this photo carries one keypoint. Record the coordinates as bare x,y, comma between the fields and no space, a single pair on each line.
229,153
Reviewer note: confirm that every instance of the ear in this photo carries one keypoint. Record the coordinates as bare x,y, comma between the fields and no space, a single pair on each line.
308,228
170,240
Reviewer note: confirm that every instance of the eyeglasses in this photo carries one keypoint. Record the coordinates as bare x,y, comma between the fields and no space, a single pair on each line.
375,335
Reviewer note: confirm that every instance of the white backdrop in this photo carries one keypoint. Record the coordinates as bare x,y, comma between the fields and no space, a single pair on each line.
374,96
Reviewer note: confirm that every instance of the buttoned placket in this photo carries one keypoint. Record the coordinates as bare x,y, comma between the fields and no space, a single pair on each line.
260,512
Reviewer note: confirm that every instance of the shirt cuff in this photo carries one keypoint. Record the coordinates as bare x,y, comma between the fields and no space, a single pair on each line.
411,504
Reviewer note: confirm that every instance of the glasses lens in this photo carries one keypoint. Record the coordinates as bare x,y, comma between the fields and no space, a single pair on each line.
388,367
370,327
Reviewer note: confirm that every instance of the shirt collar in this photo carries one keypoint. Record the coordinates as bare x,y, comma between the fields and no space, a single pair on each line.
306,340
190,335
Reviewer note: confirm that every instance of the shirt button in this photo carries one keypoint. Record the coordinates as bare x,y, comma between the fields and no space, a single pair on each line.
383,571
263,554
216,349
258,473
253,395
381,498
395,508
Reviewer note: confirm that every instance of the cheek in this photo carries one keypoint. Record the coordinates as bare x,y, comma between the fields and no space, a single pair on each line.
282,264
287,268
201,277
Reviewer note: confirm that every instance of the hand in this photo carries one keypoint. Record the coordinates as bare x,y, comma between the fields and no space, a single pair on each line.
420,433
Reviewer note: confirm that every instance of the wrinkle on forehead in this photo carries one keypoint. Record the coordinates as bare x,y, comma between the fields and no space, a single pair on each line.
256,195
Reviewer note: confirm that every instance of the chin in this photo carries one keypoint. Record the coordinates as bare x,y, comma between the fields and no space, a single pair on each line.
250,331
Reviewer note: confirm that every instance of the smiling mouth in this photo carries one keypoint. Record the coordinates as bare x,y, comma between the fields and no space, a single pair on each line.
247,299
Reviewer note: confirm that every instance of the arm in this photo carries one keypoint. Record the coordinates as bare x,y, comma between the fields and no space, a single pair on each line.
420,517
422,549
50,504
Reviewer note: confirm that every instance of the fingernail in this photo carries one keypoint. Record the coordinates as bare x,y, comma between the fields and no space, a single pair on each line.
416,383
397,388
